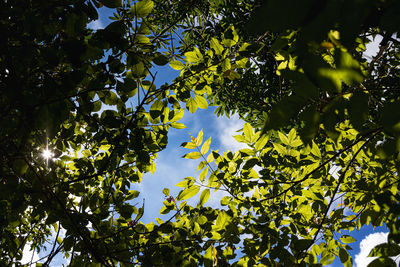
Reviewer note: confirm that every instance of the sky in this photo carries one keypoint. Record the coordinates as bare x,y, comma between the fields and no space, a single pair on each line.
171,168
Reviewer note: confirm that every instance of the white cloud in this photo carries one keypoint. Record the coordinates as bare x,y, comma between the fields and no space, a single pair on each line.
227,128
28,254
372,48
366,245
95,25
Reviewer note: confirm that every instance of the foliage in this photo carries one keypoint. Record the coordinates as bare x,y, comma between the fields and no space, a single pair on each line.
322,134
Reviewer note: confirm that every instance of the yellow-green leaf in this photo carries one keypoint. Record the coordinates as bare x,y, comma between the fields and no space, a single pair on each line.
178,125
280,149
191,105
315,150
192,155
206,146
347,239
283,138
203,175
204,196
188,192
216,46
248,131
201,102
199,138
188,145
176,65
142,8
261,142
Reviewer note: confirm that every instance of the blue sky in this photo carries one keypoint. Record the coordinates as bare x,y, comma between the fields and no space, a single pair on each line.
171,168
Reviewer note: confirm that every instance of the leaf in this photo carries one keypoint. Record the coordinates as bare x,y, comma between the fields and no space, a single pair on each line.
140,213
315,150
188,145
160,60
166,191
208,257
178,125
194,56
347,239
261,142
248,132
222,220
201,165
192,155
283,138
203,175
292,135
343,255
216,46
199,138
176,65
20,167
385,250
188,192
111,3
142,8
201,102
206,146
225,200
280,149
186,182
380,262
191,105
303,244
358,109
240,138
204,196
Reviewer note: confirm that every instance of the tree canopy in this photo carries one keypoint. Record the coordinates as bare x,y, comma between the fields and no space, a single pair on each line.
322,130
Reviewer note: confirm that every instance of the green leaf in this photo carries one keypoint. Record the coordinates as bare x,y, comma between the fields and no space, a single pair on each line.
176,65
191,105
194,56
192,155
261,142
225,200
240,138
188,192
303,244
201,102
204,196
222,220
385,250
111,3
380,262
283,138
347,239
161,60
20,166
358,109
178,125
216,46
248,132
343,255
315,150
142,8
280,149
166,191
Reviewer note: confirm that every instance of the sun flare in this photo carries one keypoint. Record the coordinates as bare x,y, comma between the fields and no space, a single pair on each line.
47,154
